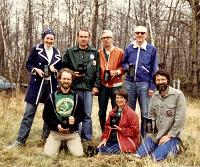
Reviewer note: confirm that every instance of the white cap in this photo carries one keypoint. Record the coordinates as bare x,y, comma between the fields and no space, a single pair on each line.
140,29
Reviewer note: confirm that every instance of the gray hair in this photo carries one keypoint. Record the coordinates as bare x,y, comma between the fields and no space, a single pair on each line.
109,32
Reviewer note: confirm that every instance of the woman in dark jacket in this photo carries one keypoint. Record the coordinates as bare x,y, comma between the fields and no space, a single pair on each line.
43,64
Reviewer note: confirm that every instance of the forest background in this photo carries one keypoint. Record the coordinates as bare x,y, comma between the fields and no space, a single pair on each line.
173,28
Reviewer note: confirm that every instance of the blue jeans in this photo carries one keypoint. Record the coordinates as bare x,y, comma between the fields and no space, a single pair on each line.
86,129
26,124
29,115
139,91
158,152
109,148
104,94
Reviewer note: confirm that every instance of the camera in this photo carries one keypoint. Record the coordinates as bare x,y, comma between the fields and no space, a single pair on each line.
66,125
107,75
131,70
81,69
91,151
114,119
46,71
151,126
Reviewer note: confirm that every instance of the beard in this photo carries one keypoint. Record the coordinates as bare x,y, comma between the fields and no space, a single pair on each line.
162,87
65,85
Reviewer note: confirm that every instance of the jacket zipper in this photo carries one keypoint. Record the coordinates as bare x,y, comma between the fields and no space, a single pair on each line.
136,64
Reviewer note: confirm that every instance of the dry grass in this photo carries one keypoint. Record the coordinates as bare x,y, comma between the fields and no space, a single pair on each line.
12,109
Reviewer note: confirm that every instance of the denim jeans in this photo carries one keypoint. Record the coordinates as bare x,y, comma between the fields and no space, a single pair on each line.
86,127
110,148
26,124
139,91
104,94
158,152
29,115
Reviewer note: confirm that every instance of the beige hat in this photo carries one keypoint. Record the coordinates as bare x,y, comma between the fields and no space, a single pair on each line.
106,33
140,29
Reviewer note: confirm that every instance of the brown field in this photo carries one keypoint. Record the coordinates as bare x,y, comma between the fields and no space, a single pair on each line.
12,109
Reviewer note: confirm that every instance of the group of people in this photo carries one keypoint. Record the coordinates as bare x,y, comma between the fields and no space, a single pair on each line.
66,85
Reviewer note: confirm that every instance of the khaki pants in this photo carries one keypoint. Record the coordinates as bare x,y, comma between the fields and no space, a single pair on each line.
53,143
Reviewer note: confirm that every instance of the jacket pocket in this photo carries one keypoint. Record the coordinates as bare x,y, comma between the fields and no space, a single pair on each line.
145,69
169,111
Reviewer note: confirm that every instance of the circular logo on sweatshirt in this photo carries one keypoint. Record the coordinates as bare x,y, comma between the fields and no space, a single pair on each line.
64,107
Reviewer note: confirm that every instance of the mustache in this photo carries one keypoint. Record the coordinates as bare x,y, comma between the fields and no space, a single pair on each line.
162,86
65,84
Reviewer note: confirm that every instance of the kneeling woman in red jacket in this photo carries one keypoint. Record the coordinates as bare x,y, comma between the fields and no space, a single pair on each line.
121,133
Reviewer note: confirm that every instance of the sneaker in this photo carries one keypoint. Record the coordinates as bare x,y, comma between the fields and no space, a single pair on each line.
15,145
137,155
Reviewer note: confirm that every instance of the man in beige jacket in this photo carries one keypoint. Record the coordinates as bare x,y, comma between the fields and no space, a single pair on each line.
168,112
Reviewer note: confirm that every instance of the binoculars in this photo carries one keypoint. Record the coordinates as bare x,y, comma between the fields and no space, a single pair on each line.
81,69
114,120
131,70
107,75
46,71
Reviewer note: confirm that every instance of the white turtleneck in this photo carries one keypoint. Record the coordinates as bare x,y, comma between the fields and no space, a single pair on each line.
49,52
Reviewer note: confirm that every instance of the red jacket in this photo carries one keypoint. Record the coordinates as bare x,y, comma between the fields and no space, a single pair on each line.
129,137
115,63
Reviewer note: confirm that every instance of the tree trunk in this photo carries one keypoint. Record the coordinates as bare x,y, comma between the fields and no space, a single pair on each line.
94,23
127,23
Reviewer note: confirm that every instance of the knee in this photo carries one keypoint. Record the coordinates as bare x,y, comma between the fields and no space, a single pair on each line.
50,153
77,153
157,157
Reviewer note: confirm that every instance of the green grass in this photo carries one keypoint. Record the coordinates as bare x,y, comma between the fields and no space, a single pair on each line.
12,109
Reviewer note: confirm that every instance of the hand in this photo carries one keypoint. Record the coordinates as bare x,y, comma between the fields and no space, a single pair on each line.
95,91
52,69
76,74
164,139
62,130
150,92
113,73
102,143
112,128
39,72
118,128
71,120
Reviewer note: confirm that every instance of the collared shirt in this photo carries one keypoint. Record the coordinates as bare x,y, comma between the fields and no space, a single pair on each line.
108,52
143,46
107,55
169,113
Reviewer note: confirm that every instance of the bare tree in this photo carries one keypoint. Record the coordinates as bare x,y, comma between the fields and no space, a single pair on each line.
173,25
195,6
95,23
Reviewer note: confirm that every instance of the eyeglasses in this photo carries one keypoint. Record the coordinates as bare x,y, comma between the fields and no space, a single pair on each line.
142,33
103,38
